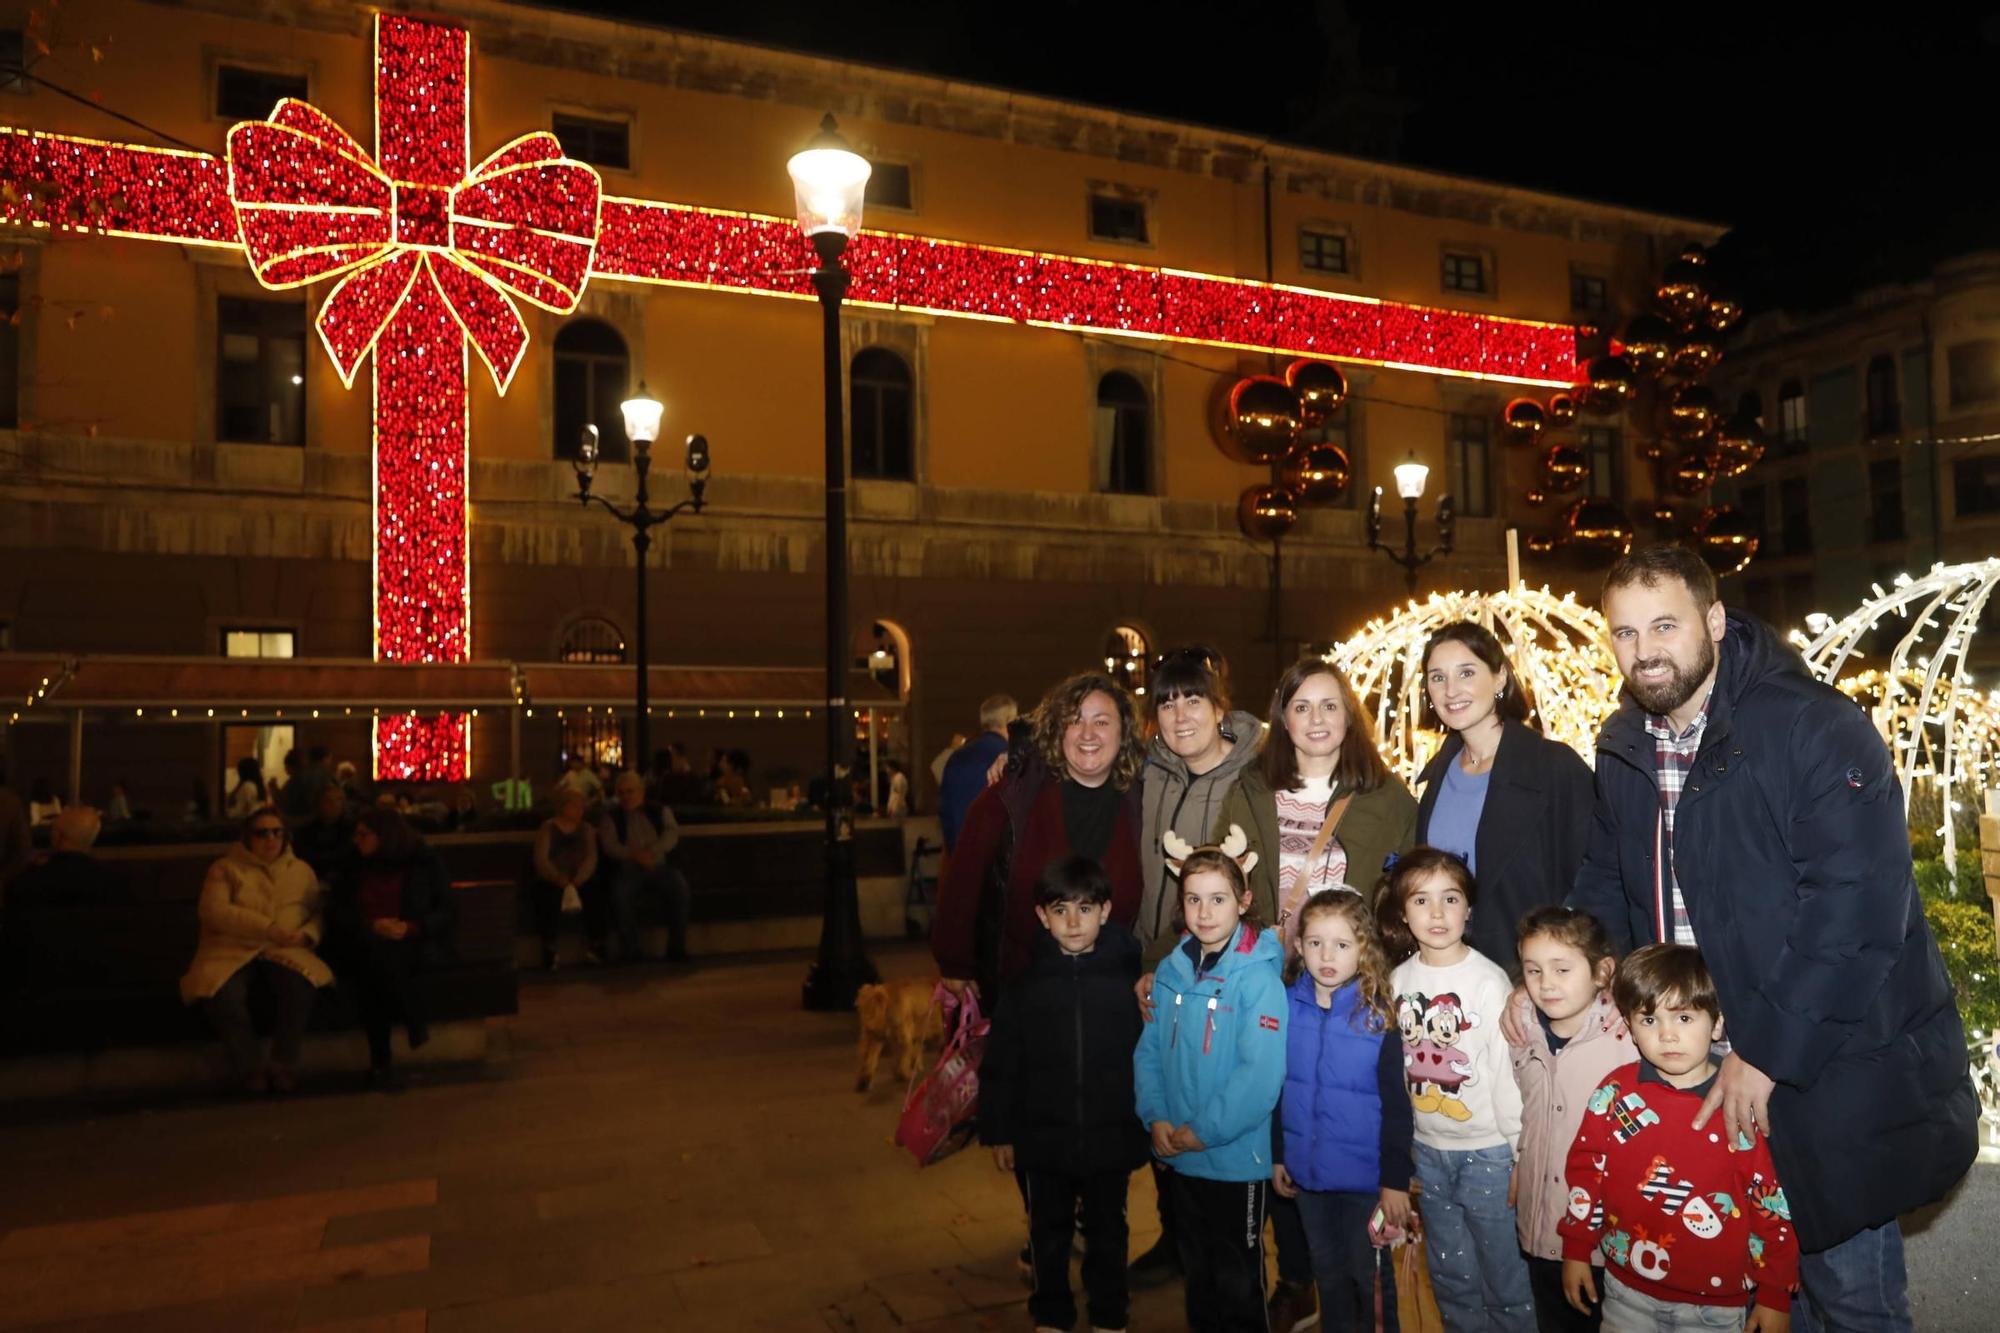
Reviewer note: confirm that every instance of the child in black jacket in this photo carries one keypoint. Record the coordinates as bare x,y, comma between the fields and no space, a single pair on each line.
1055,1092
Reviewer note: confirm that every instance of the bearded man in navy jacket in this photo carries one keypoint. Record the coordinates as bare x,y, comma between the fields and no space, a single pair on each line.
1747,809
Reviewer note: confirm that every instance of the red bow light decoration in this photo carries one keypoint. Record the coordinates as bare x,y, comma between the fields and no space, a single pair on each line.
313,204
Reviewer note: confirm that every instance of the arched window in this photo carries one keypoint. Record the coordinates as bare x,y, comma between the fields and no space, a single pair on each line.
888,657
883,424
1128,659
595,735
881,734
593,376
592,639
1122,461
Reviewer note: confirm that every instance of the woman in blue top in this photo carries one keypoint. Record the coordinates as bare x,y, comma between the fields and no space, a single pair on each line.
1513,804
1345,1120
1207,1076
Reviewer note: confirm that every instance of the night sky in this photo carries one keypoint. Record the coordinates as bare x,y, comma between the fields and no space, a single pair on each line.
1845,150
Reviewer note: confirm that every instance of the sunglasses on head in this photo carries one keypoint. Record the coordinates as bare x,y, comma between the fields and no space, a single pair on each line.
277,832
1207,657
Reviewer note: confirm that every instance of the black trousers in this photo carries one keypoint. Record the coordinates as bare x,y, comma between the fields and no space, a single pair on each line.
1057,1204
549,913
1554,1314
383,973
229,1011
1163,1196
1220,1227
1288,1238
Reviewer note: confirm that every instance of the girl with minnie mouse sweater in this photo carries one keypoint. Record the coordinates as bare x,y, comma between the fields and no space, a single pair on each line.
1449,999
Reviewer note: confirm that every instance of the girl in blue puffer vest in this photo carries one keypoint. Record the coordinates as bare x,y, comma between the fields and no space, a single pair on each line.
1345,1123
1207,1075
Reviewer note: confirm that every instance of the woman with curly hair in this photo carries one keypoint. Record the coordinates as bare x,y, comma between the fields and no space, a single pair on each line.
1080,799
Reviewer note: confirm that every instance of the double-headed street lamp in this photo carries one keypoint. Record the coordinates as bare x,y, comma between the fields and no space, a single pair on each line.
830,181
642,426
1410,478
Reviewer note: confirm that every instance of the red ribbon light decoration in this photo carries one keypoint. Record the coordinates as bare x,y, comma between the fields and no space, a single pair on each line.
312,204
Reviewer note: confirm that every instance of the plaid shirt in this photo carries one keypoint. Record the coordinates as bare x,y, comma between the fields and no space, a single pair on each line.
1673,756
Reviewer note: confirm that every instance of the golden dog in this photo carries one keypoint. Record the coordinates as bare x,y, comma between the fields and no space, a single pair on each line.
901,1012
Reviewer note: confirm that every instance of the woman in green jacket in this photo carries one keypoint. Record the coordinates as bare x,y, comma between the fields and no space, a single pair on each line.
1322,811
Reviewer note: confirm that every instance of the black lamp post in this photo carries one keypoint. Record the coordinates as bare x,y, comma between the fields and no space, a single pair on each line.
1410,478
830,180
642,426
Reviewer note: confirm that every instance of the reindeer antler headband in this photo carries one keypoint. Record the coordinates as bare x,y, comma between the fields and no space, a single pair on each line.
1235,847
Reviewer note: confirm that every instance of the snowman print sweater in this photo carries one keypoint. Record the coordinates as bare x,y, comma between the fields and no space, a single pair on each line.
1678,1213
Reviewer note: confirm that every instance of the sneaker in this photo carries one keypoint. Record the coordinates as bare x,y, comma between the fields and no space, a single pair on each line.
1294,1306
1156,1267
593,958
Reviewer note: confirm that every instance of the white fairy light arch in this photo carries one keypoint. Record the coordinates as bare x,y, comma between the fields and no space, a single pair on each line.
1920,697
1559,647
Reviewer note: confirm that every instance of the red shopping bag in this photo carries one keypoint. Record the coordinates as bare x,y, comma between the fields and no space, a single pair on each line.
938,1113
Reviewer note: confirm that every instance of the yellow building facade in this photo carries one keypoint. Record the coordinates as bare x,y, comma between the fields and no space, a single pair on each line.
137,518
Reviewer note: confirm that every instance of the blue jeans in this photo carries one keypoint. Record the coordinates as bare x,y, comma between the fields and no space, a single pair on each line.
1858,1286
1478,1273
1629,1311
1345,1262
627,882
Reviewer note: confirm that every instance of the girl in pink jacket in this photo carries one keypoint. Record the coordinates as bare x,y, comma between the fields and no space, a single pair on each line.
1575,1039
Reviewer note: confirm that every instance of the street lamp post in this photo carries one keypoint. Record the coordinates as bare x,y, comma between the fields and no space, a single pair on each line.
1410,478
829,180
642,426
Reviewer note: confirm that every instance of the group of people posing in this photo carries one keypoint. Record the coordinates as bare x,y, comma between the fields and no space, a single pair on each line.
1726,1059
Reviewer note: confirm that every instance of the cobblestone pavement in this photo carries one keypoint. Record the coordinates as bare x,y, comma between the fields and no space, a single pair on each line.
671,1148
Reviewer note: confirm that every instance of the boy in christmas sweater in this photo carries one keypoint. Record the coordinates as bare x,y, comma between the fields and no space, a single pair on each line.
1682,1217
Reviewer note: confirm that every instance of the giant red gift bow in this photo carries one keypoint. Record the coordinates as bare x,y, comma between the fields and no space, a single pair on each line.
430,255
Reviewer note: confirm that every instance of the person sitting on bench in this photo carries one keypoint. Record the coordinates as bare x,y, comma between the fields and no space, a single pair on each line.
260,924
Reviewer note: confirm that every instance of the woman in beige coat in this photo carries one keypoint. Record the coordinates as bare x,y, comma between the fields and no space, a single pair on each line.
259,926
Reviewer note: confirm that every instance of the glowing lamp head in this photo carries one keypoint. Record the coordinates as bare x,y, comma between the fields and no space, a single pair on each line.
642,416
829,180
1410,478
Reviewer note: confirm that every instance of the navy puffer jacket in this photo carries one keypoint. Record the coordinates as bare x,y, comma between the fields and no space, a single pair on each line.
1793,856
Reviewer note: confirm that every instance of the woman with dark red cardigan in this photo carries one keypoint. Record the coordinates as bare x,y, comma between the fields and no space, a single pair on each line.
1076,792
389,916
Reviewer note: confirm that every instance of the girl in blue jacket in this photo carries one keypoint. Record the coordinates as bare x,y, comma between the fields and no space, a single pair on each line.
1207,1075
1345,1121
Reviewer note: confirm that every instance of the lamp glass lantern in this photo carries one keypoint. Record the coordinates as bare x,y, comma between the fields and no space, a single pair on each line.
1410,478
829,180
642,417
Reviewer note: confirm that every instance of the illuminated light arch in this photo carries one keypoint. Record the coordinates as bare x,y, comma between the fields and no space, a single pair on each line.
430,254
1559,647
1921,694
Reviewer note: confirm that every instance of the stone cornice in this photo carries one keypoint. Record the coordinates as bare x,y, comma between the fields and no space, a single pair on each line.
666,57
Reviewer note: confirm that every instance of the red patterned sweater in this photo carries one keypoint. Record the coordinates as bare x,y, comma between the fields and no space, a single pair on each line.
1679,1214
